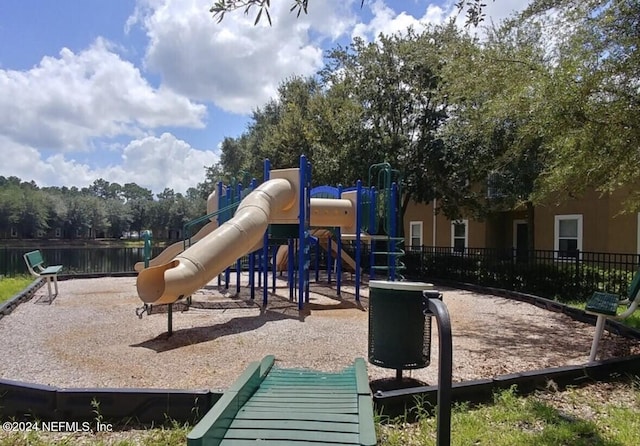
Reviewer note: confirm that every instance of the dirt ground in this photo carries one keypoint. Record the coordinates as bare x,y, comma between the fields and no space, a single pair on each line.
90,336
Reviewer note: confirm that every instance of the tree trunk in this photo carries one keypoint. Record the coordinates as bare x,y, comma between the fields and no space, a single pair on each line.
530,229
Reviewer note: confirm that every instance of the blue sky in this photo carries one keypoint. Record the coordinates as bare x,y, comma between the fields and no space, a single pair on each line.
144,91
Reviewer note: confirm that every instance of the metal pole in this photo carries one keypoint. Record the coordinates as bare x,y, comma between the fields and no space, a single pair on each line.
445,369
265,246
339,255
302,230
359,208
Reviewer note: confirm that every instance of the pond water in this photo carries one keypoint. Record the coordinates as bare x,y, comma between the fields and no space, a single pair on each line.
76,260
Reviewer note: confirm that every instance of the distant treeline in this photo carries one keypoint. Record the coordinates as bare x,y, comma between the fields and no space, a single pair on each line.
102,209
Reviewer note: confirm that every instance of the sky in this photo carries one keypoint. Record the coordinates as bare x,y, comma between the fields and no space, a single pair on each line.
144,91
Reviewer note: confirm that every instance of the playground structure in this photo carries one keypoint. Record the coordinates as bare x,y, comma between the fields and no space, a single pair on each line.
272,227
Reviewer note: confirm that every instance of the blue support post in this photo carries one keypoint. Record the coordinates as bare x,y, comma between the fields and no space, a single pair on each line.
373,198
329,261
290,267
252,261
265,247
219,217
274,267
358,230
260,269
239,261
302,230
317,260
227,272
393,232
339,259
307,199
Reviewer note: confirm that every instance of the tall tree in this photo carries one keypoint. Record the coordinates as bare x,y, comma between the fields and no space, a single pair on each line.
593,127
498,123
398,82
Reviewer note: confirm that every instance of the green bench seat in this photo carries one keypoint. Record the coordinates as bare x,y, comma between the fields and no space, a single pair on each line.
36,266
605,306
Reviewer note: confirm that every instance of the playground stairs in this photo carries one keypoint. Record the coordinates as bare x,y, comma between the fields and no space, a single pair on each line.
268,405
386,257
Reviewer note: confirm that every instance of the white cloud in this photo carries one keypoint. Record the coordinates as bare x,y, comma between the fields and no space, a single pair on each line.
165,161
65,101
234,64
388,22
151,162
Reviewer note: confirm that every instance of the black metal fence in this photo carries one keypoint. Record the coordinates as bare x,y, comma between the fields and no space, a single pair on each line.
550,274
76,260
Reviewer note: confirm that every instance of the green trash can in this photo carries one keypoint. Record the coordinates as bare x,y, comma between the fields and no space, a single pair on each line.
399,331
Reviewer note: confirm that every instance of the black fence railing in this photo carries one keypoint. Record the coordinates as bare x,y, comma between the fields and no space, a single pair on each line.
552,274
76,260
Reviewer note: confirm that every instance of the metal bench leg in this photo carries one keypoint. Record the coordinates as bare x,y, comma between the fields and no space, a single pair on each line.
55,282
596,337
49,288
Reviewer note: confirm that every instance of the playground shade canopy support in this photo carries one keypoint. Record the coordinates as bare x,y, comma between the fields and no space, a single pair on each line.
271,405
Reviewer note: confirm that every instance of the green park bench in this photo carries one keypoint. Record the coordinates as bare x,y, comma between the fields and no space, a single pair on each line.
605,306
36,266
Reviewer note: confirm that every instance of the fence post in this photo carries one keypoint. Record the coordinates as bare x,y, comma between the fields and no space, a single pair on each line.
6,262
577,273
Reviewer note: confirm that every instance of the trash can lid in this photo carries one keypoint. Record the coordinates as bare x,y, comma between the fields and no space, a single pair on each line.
403,286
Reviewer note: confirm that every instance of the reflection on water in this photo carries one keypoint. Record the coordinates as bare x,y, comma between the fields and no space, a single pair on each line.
76,260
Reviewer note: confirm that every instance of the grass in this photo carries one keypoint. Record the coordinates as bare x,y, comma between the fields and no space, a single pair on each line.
632,321
9,286
600,414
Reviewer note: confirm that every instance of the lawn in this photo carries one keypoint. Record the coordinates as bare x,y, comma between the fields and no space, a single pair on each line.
9,286
606,414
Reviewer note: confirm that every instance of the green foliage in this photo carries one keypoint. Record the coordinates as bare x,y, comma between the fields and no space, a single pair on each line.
564,280
101,210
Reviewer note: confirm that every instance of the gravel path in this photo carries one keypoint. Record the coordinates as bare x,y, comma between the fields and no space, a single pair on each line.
91,337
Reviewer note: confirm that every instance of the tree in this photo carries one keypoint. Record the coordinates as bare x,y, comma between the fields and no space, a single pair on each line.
399,85
473,9
593,128
498,124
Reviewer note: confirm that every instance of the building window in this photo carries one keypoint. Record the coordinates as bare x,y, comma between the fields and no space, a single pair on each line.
568,236
415,233
459,235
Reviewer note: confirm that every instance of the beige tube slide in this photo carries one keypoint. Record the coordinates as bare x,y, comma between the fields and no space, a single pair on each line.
200,263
